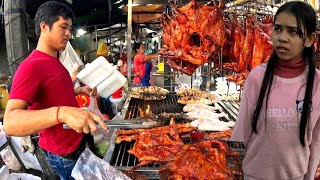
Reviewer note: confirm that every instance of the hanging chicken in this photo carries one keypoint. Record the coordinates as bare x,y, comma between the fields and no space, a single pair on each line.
192,35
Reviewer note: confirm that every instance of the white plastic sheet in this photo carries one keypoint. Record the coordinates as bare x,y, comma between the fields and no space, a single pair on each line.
70,60
93,107
92,167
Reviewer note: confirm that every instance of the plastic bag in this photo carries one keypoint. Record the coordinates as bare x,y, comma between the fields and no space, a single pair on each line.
70,60
10,159
102,49
101,141
27,144
93,107
91,167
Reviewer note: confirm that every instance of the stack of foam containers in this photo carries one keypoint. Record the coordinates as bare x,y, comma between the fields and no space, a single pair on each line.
102,75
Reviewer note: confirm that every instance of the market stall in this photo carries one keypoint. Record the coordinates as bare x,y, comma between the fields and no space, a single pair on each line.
235,39
178,129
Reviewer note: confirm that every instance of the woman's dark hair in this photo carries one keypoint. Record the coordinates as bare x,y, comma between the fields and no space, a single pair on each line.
49,12
305,16
136,46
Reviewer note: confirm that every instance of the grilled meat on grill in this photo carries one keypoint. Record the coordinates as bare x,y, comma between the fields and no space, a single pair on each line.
156,147
203,160
193,96
149,93
133,134
223,135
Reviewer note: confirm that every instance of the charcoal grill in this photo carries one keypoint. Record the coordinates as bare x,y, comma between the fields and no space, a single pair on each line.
117,154
231,108
122,160
169,105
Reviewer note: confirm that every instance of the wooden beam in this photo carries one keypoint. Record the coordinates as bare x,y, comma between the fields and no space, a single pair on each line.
150,2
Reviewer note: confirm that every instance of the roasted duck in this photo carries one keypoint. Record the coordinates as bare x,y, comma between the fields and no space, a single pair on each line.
203,160
133,134
238,78
317,176
223,135
262,48
238,38
156,147
246,53
250,49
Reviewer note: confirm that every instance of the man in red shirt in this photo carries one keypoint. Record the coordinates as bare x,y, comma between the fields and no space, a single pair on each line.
42,96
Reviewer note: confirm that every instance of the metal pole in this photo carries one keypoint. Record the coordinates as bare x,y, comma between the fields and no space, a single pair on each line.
15,33
96,36
129,49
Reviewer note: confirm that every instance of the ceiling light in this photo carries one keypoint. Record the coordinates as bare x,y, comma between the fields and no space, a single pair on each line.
69,1
81,32
118,2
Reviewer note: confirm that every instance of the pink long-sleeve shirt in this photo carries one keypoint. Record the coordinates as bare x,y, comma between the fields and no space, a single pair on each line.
275,152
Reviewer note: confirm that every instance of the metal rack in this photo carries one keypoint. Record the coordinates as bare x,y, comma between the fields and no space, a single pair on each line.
122,160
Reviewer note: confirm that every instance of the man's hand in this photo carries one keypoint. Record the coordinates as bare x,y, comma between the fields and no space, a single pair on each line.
87,90
82,121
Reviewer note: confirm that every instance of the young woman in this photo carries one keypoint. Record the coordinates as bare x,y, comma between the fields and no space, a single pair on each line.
142,65
279,124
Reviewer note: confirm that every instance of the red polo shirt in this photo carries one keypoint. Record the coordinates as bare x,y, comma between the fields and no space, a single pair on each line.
43,82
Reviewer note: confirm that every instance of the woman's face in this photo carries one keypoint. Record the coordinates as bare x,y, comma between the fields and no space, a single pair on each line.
286,39
141,49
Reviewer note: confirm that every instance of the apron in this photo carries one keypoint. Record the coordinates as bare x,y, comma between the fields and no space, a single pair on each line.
145,81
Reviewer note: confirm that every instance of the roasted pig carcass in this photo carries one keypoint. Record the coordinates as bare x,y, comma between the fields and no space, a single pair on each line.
203,160
156,147
182,66
187,40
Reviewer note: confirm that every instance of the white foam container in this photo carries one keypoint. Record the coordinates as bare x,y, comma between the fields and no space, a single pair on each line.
110,85
96,72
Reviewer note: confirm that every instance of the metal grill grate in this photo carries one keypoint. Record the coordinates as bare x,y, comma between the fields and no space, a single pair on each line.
168,105
231,108
121,159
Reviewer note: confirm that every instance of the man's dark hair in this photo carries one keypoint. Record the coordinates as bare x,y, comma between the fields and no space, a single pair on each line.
49,12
